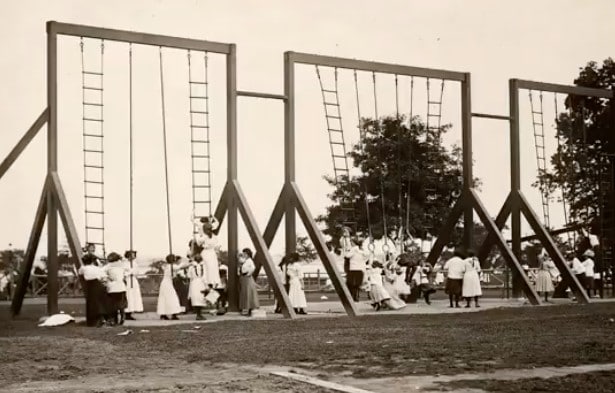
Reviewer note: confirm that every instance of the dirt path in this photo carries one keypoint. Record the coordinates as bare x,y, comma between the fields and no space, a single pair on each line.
182,377
429,383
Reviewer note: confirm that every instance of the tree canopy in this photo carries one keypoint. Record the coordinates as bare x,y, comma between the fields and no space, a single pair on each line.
401,170
585,132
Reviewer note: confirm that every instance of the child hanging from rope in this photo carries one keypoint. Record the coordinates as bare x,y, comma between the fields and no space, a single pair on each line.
168,302
208,241
422,279
345,246
134,299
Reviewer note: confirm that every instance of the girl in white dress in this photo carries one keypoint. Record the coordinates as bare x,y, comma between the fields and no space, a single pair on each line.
295,286
168,302
401,286
389,278
134,299
471,280
208,241
544,283
378,294
196,274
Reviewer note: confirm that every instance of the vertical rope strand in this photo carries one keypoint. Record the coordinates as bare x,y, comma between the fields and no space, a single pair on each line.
164,141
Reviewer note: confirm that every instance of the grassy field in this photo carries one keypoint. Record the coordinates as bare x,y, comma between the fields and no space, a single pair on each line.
362,347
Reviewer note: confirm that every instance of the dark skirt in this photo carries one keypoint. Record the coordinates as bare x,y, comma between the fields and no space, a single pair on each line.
117,302
96,302
248,296
453,286
354,278
181,287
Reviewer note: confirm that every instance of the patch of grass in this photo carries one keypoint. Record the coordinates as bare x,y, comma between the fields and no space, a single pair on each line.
367,346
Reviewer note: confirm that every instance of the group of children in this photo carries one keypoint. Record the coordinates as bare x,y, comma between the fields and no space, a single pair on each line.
390,277
112,290
202,281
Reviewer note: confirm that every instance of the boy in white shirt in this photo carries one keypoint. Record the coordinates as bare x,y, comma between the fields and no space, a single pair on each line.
455,268
588,265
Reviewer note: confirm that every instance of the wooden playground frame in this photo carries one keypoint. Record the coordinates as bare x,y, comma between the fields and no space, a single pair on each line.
290,201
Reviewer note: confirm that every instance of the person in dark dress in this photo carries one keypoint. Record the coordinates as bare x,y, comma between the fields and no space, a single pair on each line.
96,300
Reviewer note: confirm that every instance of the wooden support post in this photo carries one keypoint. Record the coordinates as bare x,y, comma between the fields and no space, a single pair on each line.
508,255
24,142
553,251
468,177
70,229
324,254
262,250
289,150
500,220
222,207
35,236
52,166
515,178
231,148
449,226
272,226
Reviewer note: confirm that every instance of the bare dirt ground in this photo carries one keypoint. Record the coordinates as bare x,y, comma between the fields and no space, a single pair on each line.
375,350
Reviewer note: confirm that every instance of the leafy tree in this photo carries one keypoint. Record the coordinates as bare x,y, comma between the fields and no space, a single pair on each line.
585,132
11,259
397,163
305,249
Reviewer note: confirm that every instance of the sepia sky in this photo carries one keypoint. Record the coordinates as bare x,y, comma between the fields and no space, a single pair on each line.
494,40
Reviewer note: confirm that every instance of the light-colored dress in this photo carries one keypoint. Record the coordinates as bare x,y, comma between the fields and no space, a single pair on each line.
544,281
377,291
210,258
196,274
295,292
248,295
133,290
116,273
401,286
471,279
168,302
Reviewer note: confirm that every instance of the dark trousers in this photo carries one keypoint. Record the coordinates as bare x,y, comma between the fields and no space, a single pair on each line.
354,279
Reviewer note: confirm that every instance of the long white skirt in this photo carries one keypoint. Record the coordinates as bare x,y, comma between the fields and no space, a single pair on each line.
133,295
400,284
296,294
168,302
378,293
212,268
395,302
471,284
195,292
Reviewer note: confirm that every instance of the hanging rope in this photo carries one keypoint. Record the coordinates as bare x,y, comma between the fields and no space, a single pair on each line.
398,126
560,146
410,154
130,144
362,136
164,144
385,246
